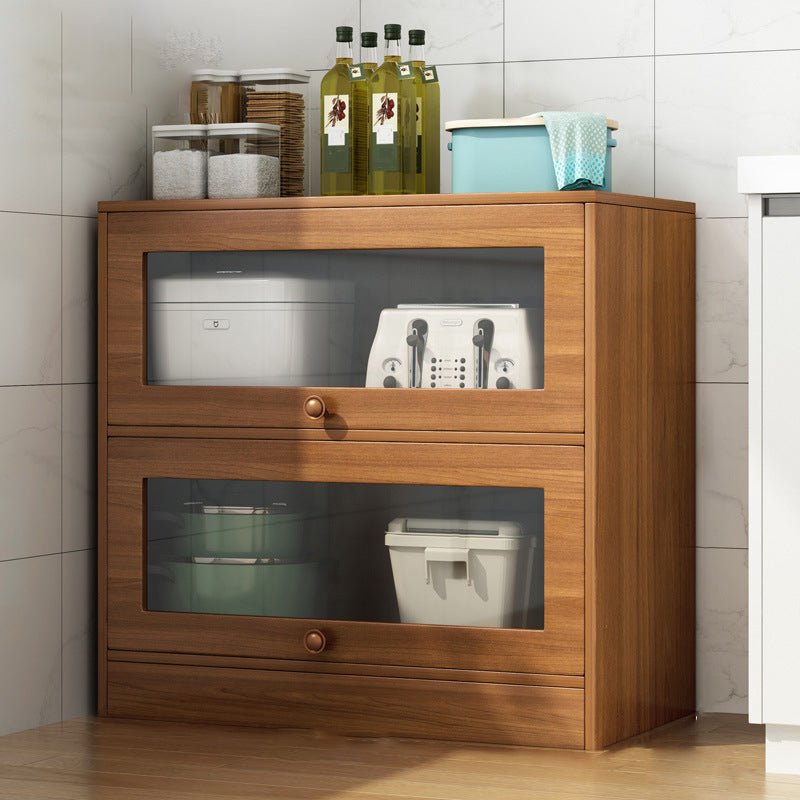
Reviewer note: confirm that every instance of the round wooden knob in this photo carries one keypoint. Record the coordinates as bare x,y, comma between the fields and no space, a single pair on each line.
314,641
314,407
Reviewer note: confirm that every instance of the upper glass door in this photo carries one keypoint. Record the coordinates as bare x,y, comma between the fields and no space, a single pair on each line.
329,318
453,318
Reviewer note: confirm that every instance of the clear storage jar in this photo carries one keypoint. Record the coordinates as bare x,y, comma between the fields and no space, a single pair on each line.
279,96
244,160
180,162
215,97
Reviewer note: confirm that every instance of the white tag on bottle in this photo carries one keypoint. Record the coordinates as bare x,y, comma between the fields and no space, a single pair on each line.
384,136
336,137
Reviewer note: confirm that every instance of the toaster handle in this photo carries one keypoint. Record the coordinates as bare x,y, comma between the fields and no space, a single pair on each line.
482,339
416,339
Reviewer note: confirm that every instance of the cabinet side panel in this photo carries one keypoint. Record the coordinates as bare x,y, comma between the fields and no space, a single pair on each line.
667,467
355,705
102,409
640,471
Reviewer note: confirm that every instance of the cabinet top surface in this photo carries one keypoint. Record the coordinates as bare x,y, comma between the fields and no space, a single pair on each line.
384,201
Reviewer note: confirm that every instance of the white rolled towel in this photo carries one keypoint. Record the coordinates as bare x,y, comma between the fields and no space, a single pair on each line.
243,175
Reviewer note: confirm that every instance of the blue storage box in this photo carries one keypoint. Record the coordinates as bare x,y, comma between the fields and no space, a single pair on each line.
508,155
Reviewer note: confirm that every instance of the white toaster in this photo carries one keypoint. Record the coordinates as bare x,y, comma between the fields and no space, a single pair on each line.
458,347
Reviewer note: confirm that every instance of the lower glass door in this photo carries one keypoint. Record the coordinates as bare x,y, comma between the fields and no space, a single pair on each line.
453,556
439,555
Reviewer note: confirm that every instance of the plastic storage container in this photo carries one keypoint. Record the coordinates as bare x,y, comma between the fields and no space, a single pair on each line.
246,531
461,572
279,96
508,155
215,97
244,160
180,162
244,326
230,585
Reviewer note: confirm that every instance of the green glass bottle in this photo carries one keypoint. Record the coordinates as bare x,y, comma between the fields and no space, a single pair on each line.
392,163
426,86
342,171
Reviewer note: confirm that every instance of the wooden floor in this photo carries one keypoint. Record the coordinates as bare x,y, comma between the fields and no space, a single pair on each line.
718,756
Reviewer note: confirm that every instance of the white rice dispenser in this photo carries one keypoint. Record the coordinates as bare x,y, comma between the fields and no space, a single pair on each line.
458,347
240,324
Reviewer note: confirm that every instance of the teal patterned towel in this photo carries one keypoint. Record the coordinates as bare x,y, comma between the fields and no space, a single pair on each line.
578,144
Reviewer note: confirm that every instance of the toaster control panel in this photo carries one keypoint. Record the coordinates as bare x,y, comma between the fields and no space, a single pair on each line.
455,371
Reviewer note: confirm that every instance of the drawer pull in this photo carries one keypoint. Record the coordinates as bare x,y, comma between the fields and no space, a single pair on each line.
314,407
314,641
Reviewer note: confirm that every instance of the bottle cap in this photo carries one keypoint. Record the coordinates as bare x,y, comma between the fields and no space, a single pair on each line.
392,31
416,37
369,39
344,33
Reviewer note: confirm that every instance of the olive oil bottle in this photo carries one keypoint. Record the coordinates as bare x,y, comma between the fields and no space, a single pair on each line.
392,162
369,52
426,86
343,169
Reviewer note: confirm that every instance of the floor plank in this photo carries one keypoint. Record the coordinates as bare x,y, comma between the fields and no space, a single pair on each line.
713,757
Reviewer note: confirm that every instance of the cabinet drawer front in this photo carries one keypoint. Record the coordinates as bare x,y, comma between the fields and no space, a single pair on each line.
300,345
554,646
350,705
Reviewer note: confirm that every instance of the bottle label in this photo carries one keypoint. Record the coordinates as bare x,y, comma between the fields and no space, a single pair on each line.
429,75
357,72
337,126
405,69
385,150
419,135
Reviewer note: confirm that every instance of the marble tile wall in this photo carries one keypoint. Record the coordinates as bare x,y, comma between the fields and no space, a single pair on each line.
93,76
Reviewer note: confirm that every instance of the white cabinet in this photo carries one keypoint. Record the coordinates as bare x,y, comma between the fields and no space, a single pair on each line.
773,187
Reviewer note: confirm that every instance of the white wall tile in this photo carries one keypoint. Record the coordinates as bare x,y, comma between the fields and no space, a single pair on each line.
78,634
722,465
30,630
79,467
30,299
79,300
173,37
455,32
577,29
30,58
30,471
714,108
621,88
466,91
722,630
725,25
722,300
105,131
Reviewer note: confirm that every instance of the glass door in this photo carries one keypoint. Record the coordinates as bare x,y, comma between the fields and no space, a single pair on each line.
407,556
445,318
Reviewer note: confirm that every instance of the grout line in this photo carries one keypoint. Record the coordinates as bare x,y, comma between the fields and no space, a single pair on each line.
41,385
503,76
655,103
719,547
61,397
47,555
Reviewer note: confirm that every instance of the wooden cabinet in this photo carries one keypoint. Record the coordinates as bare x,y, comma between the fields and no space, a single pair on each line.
598,461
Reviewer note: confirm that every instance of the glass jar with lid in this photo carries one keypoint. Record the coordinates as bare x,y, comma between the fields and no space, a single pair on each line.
279,96
244,160
180,162
215,97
